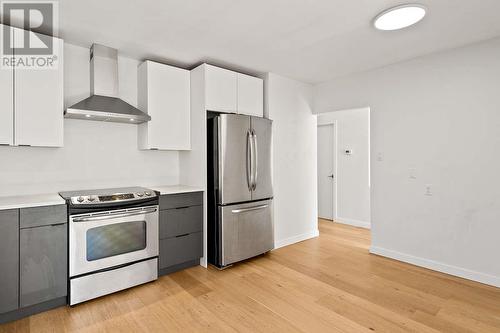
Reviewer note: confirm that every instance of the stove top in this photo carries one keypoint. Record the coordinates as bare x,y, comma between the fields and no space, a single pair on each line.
106,196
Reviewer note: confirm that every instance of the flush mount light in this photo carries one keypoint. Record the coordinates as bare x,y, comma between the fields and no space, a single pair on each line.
87,115
132,119
399,17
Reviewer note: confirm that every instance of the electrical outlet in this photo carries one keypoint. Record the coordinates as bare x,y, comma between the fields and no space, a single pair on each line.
428,190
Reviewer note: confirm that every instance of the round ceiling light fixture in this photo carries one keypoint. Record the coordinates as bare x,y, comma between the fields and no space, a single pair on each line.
399,17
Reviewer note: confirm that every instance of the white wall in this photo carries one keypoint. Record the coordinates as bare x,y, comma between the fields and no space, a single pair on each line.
289,105
95,154
434,120
353,171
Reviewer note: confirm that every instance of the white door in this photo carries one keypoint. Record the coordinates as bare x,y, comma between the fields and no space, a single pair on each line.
39,101
221,89
326,169
164,93
250,95
7,100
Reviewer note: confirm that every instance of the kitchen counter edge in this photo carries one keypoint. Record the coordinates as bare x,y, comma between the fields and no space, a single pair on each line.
28,201
176,189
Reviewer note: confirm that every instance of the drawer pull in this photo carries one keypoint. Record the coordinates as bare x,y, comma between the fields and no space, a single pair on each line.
243,210
183,235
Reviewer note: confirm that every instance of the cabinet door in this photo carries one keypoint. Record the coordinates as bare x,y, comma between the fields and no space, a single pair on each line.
221,89
38,100
168,94
250,95
9,260
43,264
7,99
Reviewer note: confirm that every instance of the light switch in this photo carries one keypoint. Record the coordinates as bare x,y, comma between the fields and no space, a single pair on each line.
428,190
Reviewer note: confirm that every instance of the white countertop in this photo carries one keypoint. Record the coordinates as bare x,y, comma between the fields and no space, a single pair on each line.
174,189
51,199
26,201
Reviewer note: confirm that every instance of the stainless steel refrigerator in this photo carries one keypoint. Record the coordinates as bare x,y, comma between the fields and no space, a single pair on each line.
240,192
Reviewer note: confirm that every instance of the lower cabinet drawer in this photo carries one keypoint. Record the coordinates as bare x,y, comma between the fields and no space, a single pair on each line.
180,249
169,201
41,216
180,221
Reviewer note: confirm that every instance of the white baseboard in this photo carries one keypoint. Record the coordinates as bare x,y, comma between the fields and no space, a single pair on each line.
296,239
203,262
354,223
438,266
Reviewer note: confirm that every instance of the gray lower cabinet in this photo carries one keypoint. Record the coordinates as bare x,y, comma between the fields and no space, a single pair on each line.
9,260
40,216
181,231
33,260
178,250
43,264
180,221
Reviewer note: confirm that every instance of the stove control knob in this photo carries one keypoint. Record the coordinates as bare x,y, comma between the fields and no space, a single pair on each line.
91,198
140,194
147,193
80,199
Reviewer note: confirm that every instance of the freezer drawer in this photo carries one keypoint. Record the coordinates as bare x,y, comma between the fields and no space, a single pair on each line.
246,230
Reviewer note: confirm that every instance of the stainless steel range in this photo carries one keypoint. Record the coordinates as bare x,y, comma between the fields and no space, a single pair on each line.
113,240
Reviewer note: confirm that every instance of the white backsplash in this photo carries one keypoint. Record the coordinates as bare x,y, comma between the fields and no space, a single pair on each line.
95,154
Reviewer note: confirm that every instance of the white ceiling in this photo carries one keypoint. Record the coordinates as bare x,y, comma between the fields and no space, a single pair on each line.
309,40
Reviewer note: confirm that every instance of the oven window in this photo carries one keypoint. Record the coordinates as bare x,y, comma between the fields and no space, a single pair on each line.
114,239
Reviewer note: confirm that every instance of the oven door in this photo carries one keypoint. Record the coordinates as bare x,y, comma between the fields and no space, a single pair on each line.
107,239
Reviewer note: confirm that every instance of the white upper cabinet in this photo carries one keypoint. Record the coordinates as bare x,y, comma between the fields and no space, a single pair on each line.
250,95
7,102
232,92
39,101
164,93
221,89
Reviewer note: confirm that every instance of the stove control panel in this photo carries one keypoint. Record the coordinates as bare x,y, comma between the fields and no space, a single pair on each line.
118,197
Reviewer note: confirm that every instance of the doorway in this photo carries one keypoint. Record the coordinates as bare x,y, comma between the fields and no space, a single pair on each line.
344,167
327,172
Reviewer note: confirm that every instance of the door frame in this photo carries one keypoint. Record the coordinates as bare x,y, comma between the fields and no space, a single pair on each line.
333,123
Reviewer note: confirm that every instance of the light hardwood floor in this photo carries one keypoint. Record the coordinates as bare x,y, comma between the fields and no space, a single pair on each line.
327,284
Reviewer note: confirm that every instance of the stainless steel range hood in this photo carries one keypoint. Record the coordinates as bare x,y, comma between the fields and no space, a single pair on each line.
104,103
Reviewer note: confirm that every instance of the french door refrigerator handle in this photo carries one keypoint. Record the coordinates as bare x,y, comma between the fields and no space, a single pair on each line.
249,160
243,210
255,160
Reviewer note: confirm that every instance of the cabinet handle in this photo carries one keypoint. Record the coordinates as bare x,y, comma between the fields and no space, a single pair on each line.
243,210
183,235
57,224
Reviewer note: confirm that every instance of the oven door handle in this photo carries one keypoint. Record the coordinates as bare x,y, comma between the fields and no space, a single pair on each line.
109,216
